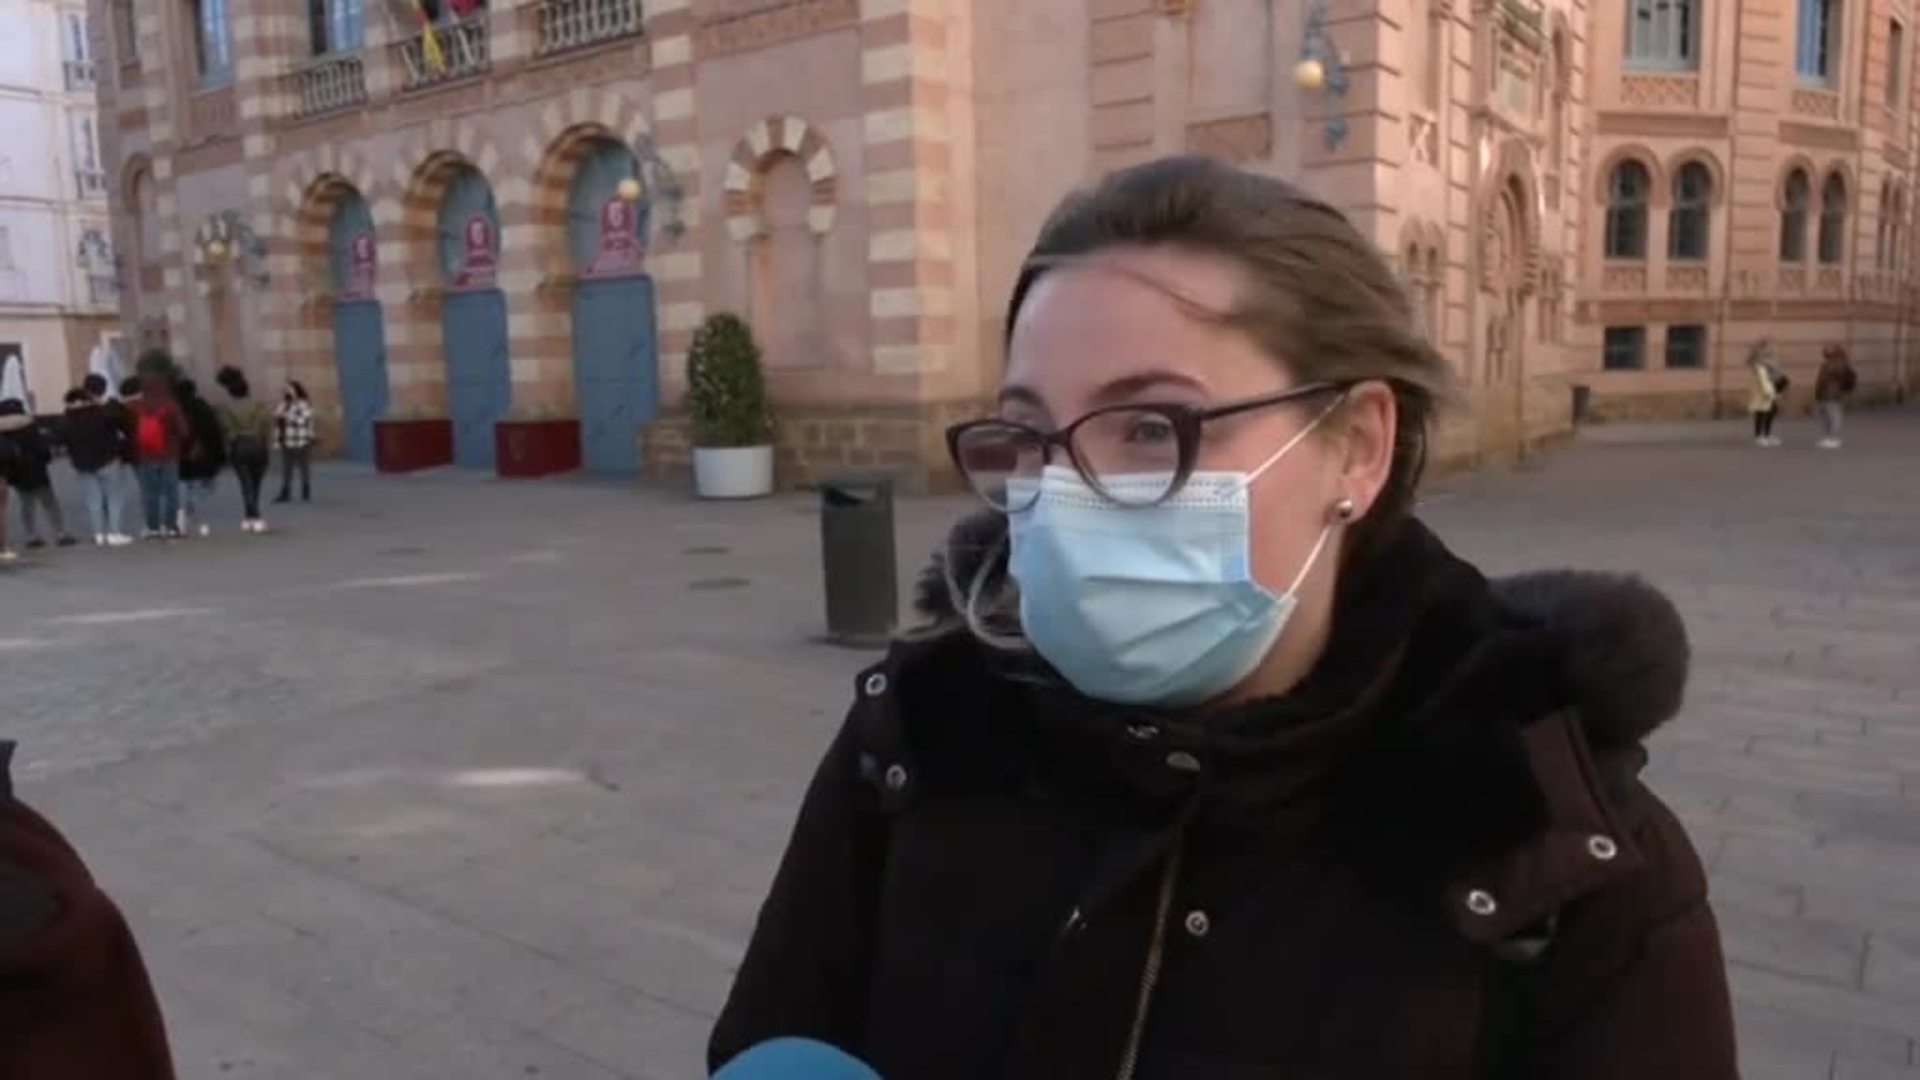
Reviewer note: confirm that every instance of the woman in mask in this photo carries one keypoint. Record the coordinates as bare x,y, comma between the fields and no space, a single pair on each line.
1210,759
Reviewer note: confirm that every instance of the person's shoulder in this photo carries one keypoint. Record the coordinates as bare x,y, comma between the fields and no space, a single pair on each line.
938,713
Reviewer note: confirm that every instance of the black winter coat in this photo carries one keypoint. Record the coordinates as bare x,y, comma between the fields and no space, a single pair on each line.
96,438
26,458
1433,860
205,452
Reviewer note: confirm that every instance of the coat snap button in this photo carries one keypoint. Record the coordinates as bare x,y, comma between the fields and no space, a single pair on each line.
896,777
1481,903
1602,847
876,684
1197,923
1181,761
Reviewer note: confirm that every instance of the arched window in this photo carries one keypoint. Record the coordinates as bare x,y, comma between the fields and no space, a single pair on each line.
1833,219
1793,217
1689,222
786,286
1627,191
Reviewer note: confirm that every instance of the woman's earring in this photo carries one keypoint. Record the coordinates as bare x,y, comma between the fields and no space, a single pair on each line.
1343,511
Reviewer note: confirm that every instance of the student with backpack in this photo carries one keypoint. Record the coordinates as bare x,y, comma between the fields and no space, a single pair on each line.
205,457
28,473
95,440
159,433
248,426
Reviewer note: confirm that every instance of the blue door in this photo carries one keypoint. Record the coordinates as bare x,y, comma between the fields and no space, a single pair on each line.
360,353
479,385
614,370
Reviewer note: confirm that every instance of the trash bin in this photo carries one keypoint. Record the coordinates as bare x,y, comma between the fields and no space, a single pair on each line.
856,546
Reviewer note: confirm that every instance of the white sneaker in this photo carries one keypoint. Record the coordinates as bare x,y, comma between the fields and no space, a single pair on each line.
118,539
99,539
1829,444
8,555
206,530
260,525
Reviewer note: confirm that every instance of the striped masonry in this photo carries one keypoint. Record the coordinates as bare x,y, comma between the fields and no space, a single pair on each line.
676,264
909,176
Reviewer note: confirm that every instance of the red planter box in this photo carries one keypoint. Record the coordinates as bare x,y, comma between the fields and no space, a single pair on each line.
406,445
524,448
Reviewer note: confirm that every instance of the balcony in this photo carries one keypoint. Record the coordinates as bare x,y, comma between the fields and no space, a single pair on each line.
80,74
563,26
103,290
463,51
329,84
90,183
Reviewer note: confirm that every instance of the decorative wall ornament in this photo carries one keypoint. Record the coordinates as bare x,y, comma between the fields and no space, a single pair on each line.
1661,91
656,179
227,236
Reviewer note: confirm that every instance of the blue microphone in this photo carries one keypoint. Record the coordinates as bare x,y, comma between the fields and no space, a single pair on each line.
795,1059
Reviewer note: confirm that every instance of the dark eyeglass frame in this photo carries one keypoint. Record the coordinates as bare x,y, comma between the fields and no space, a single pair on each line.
1187,421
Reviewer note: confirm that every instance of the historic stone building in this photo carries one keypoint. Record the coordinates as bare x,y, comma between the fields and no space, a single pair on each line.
57,277
528,217
1753,168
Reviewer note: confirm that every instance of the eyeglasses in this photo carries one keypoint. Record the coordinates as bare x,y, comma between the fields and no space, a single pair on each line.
1153,446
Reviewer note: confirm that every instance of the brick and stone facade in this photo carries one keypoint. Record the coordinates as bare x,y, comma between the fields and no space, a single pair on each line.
861,178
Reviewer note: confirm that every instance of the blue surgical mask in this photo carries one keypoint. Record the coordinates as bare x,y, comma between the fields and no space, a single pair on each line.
1148,605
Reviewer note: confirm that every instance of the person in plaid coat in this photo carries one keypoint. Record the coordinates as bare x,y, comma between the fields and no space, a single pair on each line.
294,422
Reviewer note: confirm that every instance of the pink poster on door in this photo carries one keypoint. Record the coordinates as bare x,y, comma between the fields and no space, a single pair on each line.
479,254
361,267
620,250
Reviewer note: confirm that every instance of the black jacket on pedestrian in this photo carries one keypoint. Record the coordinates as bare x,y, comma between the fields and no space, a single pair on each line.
95,437
1433,858
206,451
27,458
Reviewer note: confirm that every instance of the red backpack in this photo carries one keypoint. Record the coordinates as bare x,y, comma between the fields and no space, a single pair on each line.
150,434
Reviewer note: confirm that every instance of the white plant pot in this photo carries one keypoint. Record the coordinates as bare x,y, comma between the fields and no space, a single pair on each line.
733,472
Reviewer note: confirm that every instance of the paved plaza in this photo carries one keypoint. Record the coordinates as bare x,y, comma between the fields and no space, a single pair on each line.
451,777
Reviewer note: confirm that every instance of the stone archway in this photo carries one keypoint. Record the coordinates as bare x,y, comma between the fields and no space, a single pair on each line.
1509,258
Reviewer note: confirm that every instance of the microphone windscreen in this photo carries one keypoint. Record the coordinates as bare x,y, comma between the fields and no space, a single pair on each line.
795,1059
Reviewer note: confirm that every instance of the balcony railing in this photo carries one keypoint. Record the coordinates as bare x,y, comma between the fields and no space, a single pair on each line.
80,74
566,25
329,84
463,51
91,183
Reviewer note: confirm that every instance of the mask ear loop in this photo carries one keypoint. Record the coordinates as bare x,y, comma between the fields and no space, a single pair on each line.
1297,439
1342,513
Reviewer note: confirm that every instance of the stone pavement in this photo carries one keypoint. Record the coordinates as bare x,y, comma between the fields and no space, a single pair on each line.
456,778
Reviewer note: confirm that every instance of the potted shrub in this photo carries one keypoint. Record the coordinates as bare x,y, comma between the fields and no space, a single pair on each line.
727,408
416,439
537,441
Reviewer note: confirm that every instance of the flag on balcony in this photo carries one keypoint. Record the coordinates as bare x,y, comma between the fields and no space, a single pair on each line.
430,51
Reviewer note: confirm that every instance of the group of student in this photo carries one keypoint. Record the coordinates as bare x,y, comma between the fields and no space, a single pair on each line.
173,441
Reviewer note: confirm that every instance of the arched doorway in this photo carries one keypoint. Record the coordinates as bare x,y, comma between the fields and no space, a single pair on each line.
359,329
473,317
1503,395
615,358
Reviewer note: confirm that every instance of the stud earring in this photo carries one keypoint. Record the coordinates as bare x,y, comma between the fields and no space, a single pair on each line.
1343,511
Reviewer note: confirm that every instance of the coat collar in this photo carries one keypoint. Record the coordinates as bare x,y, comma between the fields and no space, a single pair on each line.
1481,769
